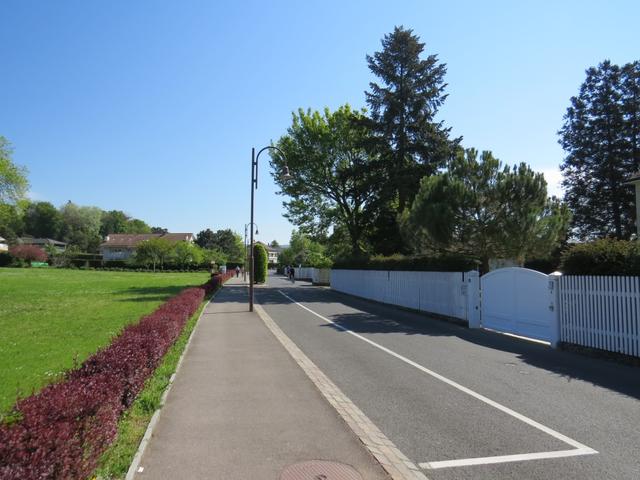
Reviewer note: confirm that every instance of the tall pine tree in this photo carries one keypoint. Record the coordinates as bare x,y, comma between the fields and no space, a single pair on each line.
411,144
601,136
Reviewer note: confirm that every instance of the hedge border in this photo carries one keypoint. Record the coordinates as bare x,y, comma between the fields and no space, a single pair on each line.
62,431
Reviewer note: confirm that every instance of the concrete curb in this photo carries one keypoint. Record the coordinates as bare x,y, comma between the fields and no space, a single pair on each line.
135,463
396,464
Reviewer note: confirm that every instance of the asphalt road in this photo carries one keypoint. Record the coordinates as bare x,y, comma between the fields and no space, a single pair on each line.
442,392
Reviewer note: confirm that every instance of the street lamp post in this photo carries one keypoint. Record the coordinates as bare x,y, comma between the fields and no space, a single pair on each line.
254,186
246,252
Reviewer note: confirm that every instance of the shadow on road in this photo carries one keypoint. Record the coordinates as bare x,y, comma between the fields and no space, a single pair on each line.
372,317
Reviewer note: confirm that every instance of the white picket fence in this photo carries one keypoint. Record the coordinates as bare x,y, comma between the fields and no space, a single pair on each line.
443,293
601,312
596,312
304,273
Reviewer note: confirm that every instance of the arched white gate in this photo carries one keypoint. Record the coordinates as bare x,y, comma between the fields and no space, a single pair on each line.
518,301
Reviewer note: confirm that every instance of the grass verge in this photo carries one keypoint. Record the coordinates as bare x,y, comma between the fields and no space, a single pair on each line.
115,462
51,320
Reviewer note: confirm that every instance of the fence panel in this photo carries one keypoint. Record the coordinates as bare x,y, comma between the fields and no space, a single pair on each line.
601,312
444,293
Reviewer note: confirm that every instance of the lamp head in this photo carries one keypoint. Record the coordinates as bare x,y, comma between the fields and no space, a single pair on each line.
286,175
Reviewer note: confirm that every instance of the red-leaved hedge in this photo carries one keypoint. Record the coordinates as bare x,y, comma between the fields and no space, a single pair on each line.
65,428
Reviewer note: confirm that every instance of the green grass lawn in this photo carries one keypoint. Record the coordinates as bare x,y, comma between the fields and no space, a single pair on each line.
51,319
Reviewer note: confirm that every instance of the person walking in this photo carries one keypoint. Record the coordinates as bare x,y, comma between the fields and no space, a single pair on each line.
237,271
292,274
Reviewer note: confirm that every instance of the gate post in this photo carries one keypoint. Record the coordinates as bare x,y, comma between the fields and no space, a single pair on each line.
472,282
554,306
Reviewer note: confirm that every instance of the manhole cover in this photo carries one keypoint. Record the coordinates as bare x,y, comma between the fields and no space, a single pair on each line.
320,470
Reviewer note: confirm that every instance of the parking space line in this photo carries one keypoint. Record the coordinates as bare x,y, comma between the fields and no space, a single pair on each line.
579,448
466,462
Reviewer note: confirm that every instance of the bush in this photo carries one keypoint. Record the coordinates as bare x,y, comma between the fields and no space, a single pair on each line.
602,257
5,259
260,260
448,263
28,253
61,432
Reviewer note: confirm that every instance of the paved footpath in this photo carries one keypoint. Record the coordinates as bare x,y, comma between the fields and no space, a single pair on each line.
242,408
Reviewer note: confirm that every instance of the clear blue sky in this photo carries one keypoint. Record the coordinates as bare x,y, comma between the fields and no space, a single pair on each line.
152,107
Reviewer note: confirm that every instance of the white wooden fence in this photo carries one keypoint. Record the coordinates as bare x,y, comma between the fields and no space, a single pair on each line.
443,293
304,273
601,312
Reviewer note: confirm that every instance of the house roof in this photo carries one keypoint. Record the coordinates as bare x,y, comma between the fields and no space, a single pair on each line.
3,240
41,241
131,240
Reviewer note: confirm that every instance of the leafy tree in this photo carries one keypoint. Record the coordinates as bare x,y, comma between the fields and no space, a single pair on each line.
116,221
484,210
135,225
42,220
28,253
81,226
261,263
13,179
304,251
185,254
227,241
334,177
154,251
205,238
213,255
159,230
11,221
274,244
601,137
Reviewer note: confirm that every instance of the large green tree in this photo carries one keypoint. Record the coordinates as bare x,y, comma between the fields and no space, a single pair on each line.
302,250
81,226
116,221
11,221
335,178
601,138
154,251
13,178
412,144
42,220
226,241
484,210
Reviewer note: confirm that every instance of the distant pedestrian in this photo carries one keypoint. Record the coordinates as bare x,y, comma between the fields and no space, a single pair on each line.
237,271
292,274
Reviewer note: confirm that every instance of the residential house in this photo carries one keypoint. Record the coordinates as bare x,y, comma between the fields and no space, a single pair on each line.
272,252
122,246
4,246
43,243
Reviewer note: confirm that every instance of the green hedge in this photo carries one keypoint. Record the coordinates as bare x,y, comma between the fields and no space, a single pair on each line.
602,257
260,260
446,263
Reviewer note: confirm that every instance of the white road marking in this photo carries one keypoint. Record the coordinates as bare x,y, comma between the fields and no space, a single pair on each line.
465,462
579,448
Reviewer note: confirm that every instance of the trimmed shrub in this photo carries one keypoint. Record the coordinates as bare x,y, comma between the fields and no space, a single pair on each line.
61,432
260,260
602,257
446,263
28,253
5,259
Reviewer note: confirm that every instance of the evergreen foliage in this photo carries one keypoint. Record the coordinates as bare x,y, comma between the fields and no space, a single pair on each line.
483,210
260,261
602,257
601,137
